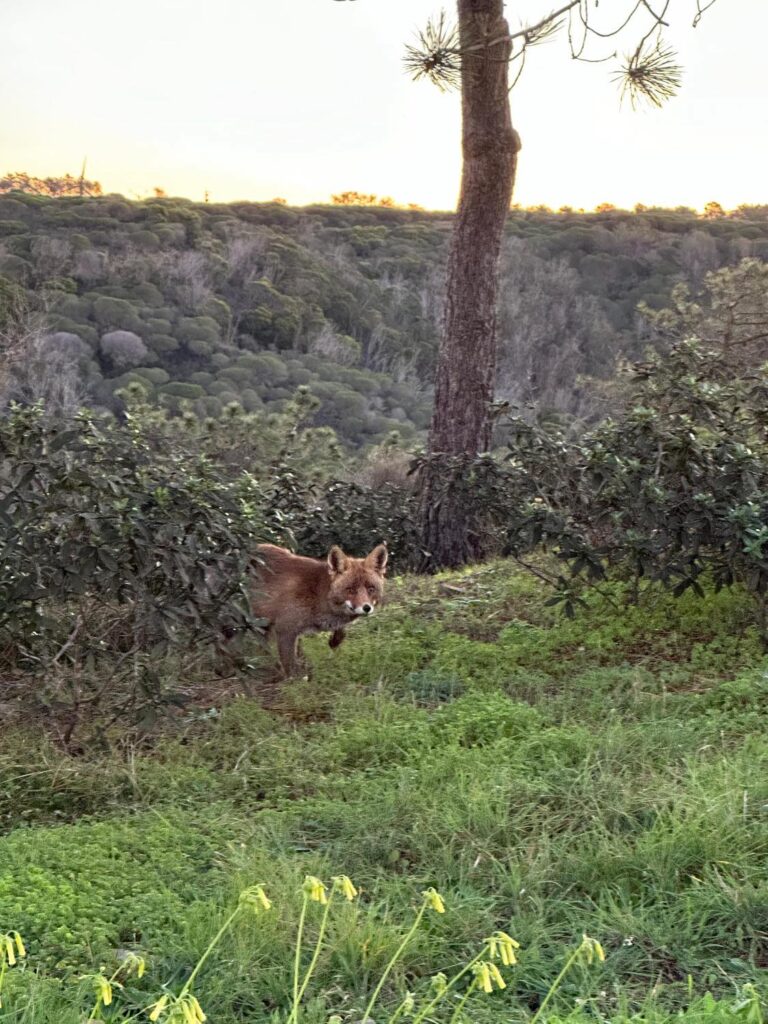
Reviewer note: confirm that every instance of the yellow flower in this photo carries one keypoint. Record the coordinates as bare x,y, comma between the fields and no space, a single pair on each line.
439,984
434,900
315,889
591,948
496,975
502,945
408,1003
133,962
11,948
157,1008
344,884
192,1010
255,898
488,974
103,989
483,976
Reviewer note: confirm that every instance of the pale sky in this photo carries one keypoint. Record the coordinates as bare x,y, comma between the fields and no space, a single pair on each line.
251,99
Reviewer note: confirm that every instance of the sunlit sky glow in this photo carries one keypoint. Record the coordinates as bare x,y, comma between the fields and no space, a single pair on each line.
251,99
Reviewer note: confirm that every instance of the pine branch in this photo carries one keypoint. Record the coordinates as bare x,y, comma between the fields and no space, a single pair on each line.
650,74
437,55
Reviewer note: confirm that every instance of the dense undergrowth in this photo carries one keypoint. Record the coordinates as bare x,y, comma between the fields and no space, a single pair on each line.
549,777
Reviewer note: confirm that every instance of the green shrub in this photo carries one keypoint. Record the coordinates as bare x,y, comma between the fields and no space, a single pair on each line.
202,328
201,377
179,389
115,314
158,325
12,227
257,322
148,294
163,344
99,516
218,310
154,374
199,346
16,269
268,368
480,720
142,874
122,349
75,307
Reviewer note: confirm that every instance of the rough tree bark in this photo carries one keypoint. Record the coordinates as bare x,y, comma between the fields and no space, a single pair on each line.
462,420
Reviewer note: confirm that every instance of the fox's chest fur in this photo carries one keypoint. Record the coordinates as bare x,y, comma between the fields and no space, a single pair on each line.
322,623
298,595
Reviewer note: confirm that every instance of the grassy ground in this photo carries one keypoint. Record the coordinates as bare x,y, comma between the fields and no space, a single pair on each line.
606,775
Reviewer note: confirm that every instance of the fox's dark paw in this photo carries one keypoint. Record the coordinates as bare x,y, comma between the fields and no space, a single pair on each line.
336,638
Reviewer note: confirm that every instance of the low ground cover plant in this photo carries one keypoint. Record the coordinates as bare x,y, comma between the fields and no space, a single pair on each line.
548,776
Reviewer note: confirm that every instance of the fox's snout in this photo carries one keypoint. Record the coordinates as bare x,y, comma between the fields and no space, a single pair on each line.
360,609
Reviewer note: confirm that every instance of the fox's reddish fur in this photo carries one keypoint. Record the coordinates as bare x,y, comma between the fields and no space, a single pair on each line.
300,595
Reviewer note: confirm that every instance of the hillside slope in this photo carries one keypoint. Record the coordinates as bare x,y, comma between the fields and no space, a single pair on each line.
243,302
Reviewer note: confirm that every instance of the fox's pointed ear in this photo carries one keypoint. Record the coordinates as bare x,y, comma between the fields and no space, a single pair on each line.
378,559
337,561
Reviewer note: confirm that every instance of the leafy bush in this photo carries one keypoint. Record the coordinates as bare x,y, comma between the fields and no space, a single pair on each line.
357,517
115,313
111,542
678,486
153,374
178,389
123,349
673,489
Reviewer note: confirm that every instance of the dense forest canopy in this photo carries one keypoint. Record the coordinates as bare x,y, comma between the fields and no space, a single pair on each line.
213,304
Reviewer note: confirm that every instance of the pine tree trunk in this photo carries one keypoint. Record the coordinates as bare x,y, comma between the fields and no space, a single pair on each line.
462,421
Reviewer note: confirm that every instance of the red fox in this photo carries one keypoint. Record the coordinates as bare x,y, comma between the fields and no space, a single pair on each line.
307,595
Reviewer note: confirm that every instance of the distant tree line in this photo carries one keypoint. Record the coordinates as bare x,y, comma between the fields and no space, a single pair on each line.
209,305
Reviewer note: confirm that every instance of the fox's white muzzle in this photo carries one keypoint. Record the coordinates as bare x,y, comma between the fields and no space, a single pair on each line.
360,609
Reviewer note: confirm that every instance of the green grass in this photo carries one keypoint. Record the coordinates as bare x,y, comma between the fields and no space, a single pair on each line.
606,775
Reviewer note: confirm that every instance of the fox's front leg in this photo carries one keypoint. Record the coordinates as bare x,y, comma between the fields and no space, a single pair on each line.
336,638
287,649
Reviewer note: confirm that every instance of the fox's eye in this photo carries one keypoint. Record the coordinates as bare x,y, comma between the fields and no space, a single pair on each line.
370,589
